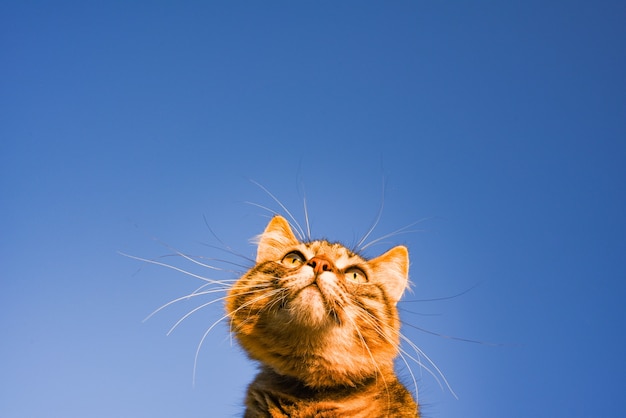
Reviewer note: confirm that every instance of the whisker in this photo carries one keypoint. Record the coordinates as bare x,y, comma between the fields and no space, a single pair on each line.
376,324
297,230
298,227
404,230
188,314
194,259
196,309
206,333
445,297
181,254
371,355
418,313
265,208
306,209
404,353
158,263
406,363
232,263
432,363
376,221
224,246
306,219
465,340
266,308
226,283
195,360
420,363
186,297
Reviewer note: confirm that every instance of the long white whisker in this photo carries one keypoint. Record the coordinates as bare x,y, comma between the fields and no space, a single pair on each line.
195,360
306,219
421,364
226,283
298,230
265,208
169,266
301,231
444,297
417,313
376,221
432,363
225,247
371,355
225,288
188,314
193,260
374,322
265,294
186,297
412,376
232,263
181,254
403,230
437,334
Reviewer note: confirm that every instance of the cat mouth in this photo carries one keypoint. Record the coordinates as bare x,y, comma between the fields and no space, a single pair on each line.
312,299
312,288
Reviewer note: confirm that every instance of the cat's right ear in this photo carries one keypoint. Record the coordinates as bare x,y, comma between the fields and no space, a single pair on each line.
392,269
274,241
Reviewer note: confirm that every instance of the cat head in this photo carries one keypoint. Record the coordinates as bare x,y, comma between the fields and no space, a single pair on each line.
318,311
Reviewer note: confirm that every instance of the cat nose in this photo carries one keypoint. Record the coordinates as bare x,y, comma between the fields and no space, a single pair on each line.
320,265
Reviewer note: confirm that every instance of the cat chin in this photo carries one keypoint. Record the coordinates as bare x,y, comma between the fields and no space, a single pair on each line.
309,309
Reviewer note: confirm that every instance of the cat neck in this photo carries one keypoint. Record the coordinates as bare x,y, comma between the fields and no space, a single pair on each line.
268,377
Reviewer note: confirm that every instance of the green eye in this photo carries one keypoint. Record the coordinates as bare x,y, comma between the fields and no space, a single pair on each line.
293,259
355,275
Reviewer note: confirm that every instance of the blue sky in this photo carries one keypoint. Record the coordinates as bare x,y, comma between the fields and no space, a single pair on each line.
500,125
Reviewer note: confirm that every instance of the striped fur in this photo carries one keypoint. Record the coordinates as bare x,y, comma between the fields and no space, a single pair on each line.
323,323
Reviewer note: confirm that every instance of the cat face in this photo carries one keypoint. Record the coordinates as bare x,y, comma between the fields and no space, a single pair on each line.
317,311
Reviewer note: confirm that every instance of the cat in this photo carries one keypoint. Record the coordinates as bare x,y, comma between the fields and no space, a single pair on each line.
322,322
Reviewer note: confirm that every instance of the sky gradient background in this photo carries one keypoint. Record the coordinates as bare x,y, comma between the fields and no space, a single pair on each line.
124,125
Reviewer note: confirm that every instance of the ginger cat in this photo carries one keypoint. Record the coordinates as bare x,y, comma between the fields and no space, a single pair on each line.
322,321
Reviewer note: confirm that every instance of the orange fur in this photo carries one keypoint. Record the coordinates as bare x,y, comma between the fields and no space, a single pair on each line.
323,323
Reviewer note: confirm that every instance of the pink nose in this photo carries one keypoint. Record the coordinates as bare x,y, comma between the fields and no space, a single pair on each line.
320,265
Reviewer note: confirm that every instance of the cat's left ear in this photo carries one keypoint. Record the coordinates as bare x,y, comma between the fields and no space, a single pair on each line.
392,269
274,240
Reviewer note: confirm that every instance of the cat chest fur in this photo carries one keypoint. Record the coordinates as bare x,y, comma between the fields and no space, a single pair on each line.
273,395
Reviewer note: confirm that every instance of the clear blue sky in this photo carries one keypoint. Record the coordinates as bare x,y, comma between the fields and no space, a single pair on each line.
500,123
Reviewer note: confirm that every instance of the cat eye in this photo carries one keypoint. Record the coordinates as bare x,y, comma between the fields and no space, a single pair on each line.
293,259
355,275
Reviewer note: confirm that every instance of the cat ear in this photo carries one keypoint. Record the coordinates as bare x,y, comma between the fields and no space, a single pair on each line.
274,240
392,269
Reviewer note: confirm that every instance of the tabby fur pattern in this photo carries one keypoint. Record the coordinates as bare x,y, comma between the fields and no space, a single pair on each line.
322,322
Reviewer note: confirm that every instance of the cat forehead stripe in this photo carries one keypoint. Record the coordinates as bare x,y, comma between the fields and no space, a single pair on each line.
341,255
335,247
